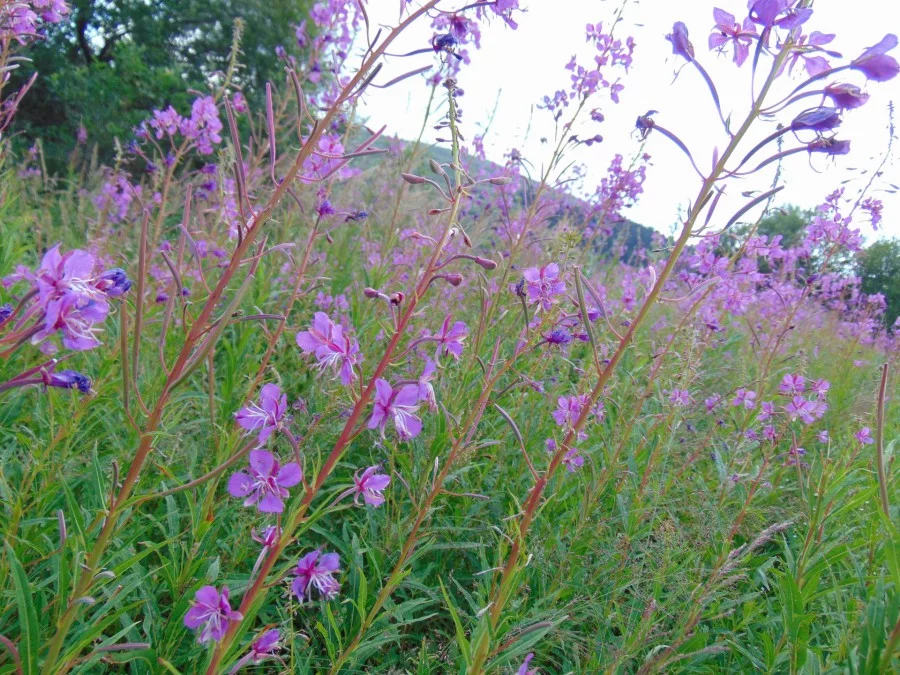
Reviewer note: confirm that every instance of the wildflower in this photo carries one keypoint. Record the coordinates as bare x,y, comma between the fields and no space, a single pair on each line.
822,436
69,379
778,13
846,96
875,63
792,384
712,402
680,397
817,119
543,284
767,410
265,416
426,389
265,483
864,436
559,337
268,537
264,645
211,611
820,388
398,405
370,486
573,460
804,46
239,104
331,347
568,411
829,146
524,669
802,408
681,45
727,29
744,397
451,337
316,570
6,311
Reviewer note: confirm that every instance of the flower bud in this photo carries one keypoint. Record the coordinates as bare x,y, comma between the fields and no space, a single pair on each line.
412,178
486,263
817,119
500,180
69,379
435,167
681,45
397,298
371,293
453,279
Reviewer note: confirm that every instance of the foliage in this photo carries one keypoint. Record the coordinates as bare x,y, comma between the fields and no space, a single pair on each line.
879,269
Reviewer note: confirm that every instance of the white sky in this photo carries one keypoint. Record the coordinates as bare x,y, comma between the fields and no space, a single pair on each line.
515,69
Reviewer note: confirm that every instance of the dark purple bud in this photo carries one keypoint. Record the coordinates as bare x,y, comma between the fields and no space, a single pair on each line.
444,43
325,208
371,293
362,214
830,146
69,379
185,291
875,63
558,336
151,168
817,119
5,312
412,178
520,289
453,279
397,298
846,96
162,297
114,282
681,45
485,263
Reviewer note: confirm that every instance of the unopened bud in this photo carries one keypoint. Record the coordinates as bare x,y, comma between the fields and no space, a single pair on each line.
500,180
370,293
466,240
435,167
485,263
435,212
397,298
412,178
453,279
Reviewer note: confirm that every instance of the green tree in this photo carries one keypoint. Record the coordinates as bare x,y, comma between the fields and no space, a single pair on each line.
113,61
879,268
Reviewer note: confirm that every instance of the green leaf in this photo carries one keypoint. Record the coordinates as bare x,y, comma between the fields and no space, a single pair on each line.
28,621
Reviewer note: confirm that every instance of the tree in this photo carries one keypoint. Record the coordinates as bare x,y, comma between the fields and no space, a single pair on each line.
879,268
113,61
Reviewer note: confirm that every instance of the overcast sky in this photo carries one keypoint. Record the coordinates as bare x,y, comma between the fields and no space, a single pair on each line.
515,69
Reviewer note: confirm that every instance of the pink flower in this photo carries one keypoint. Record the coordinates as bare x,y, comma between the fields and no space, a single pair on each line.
370,486
316,571
744,397
680,397
568,410
398,405
426,389
727,29
331,347
450,339
875,63
210,610
265,483
573,460
767,410
524,669
800,407
267,415
544,284
792,384
864,436
263,646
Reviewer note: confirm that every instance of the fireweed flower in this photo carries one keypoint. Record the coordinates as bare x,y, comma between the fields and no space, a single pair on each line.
426,389
524,669
727,29
263,646
680,397
69,379
817,119
864,436
316,571
778,13
543,284
398,405
767,410
845,95
369,486
744,397
265,483
266,415
558,337
792,384
451,337
806,49
875,63
568,410
681,45
210,613
802,408
573,460
331,347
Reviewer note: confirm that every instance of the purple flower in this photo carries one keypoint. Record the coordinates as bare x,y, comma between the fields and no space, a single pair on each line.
845,95
744,397
211,611
802,408
820,388
524,669
864,436
265,483
568,411
792,384
573,460
331,347
426,389
69,379
681,45
398,405
875,63
767,411
263,646
680,397
727,29
805,46
559,337
822,436
817,119
265,416
370,486
316,570
780,13
830,146
712,402
451,337
268,537
543,284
